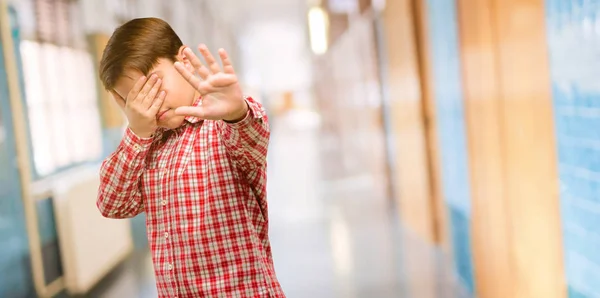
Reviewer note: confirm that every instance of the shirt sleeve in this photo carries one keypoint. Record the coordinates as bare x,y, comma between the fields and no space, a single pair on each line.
247,140
119,192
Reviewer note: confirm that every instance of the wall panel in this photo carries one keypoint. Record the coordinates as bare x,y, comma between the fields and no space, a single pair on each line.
412,184
574,48
490,238
530,154
446,85
431,122
13,234
516,222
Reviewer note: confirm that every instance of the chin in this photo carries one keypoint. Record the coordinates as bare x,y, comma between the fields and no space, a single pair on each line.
172,123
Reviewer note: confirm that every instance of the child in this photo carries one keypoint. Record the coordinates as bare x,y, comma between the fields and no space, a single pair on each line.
194,159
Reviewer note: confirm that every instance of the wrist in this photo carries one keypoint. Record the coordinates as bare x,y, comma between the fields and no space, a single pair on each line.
239,115
142,134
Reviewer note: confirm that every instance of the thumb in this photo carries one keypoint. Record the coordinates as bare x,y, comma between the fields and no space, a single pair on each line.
191,111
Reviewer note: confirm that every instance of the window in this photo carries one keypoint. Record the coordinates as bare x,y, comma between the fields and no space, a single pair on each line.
61,99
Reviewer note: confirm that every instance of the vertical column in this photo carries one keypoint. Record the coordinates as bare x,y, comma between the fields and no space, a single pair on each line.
413,189
424,51
490,235
516,226
441,59
530,149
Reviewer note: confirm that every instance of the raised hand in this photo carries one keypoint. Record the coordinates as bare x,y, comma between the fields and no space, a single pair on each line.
222,97
142,105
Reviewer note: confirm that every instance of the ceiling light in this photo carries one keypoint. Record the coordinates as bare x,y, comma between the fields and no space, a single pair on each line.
318,23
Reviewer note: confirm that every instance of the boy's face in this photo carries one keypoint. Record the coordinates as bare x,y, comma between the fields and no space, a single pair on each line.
178,91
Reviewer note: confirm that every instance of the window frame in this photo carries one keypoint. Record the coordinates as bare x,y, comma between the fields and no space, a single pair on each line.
68,42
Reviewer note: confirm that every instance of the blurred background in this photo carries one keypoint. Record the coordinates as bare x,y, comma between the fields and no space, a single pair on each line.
420,148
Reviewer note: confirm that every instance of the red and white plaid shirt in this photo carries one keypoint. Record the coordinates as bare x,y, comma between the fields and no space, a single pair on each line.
203,188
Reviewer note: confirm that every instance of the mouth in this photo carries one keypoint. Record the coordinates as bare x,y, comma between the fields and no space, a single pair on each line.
160,115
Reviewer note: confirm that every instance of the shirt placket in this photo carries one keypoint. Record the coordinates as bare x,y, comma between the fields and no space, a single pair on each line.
166,209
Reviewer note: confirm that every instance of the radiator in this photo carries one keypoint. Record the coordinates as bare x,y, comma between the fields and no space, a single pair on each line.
91,245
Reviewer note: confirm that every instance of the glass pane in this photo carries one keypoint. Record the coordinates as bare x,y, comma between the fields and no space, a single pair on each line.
89,134
88,76
46,21
54,87
31,72
94,130
73,102
77,29
63,28
41,140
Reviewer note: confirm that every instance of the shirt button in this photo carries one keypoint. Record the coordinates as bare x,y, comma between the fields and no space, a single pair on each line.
164,202
170,267
136,147
166,235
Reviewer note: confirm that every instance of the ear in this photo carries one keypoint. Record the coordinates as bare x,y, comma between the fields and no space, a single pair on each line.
183,59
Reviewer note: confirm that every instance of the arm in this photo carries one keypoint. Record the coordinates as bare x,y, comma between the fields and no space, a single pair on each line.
247,140
119,193
222,99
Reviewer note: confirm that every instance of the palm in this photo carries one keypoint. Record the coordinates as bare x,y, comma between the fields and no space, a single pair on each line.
219,88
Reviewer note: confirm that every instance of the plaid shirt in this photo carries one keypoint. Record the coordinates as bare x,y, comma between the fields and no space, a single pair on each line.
203,188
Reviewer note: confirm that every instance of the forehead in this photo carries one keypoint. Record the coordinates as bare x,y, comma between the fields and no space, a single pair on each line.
130,76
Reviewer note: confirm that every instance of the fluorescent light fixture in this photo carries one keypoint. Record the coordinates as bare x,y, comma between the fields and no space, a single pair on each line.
318,24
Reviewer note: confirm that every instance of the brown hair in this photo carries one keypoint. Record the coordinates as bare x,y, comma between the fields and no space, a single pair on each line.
137,44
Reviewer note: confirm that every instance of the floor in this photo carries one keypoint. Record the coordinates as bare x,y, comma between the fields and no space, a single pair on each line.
333,236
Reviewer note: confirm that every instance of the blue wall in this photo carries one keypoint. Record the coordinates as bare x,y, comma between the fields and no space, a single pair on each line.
573,29
451,130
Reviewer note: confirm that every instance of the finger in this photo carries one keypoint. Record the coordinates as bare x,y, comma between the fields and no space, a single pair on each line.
227,66
222,80
146,89
158,101
118,99
197,111
137,88
187,75
210,60
200,68
152,94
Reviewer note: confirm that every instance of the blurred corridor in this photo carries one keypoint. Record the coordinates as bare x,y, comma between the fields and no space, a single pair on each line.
419,148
